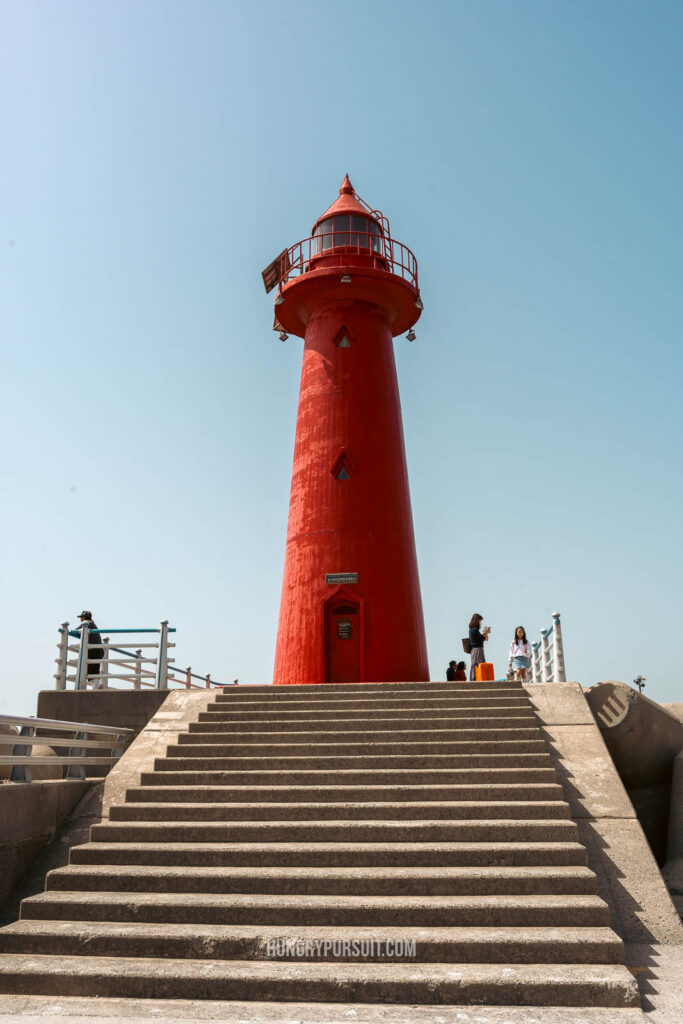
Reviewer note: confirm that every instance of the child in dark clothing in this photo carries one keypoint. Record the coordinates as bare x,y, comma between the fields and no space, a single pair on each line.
455,673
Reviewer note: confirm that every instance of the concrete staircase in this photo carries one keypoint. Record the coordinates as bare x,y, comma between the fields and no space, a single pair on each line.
292,832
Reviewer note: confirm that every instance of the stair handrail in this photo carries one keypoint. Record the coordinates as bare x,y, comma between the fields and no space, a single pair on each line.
547,658
78,759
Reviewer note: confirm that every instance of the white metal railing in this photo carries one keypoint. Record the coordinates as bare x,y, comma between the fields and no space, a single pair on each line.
20,757
547,659
84,662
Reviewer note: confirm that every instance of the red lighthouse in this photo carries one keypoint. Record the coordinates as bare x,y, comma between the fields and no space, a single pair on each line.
351,608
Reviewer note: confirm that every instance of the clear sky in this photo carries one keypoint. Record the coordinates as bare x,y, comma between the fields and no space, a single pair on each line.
157,154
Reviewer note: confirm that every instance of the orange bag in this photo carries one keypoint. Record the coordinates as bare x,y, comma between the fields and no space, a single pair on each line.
484,671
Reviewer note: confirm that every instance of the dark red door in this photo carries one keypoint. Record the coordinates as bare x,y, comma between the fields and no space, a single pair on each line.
342,643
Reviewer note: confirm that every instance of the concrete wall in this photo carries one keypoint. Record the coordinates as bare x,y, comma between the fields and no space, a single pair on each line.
181,708
643,739
30,814
629,879
131,709
675,709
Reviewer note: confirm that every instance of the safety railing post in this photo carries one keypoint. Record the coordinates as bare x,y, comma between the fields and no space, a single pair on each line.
137,677
82,667
22,772
208,680
546,670
62,657
188,677
536,662
559,672
77,771
104,670
161,681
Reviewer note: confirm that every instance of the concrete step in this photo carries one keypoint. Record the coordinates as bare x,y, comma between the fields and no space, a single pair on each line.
368,747
436,684
330,794
321,944
469,777
339,761
368,704
448,810
393,734
429,813
533,984
424,831
331,854
366,691
351,881
290,719
536,911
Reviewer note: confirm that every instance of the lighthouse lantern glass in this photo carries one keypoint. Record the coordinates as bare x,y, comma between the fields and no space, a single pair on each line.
347,230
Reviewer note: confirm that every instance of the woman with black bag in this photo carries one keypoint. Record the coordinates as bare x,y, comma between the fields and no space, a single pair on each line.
476,642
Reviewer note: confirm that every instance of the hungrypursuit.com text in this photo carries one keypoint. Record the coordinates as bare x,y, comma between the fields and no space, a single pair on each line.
342,948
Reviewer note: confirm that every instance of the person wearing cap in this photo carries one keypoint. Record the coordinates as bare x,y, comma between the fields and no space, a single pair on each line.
95,653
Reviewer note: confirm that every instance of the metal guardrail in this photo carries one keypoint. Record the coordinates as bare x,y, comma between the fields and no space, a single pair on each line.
547,659
76,761
321,249
100,663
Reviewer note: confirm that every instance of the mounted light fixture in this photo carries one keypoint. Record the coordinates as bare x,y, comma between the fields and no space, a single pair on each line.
280,299
418,303
283,336
346,279
411,335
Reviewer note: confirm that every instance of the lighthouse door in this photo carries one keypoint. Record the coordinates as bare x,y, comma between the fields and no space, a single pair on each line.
342,642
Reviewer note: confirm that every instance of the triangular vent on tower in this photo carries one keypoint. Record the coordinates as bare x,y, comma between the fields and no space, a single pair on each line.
343,338
343,467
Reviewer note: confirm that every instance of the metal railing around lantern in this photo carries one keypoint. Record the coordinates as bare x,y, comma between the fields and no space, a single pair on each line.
333,248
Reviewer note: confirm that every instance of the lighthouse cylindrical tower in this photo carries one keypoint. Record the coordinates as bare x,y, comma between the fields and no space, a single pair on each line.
351,609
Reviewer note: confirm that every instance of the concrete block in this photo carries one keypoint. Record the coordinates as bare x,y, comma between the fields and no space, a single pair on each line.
675,709
642,737
587,773
559,703
675,830
629,881
131,709
179,708
30,814
672,874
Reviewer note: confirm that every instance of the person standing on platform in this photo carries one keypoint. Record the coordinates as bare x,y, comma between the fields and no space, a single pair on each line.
520,654
95,652
477,641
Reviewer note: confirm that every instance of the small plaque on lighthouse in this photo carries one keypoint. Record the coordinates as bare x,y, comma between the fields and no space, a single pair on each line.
341,577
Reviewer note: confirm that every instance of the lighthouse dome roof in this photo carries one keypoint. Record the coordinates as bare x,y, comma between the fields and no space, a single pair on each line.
347,202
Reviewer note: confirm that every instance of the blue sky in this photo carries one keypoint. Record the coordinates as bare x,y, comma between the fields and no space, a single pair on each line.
157,155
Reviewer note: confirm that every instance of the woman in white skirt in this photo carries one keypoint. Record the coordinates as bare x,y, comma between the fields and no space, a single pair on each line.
520,654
